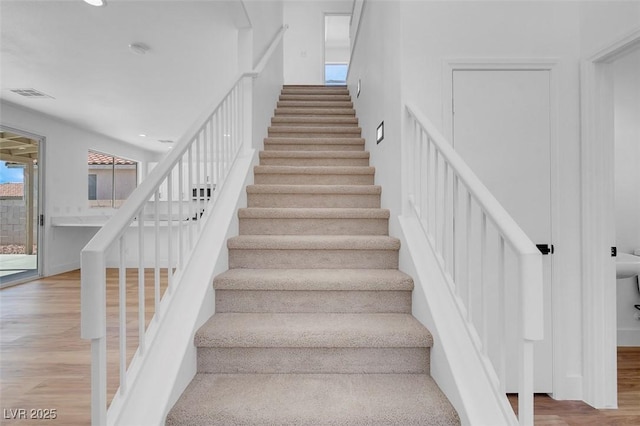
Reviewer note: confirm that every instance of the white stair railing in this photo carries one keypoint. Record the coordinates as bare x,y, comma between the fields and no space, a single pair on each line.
493,269
155,232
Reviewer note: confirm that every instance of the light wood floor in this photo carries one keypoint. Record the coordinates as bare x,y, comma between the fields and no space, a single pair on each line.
45,365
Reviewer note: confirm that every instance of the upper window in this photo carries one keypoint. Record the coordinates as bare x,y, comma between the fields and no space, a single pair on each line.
111,179
335,74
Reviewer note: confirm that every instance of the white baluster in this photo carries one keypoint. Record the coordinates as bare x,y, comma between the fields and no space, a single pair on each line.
180,214
156,275
122,305
170,230
484,298
141,301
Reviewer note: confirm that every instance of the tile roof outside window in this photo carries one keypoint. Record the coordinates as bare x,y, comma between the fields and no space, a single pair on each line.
102,159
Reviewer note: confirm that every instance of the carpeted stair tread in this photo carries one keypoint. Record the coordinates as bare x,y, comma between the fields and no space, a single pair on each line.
315,97
313,399
313,175
314,154
314,131
314,158
319,87
313,330
312,213
282,120
314,189
328,142
315,170
313,242
314,104
314,280
314,112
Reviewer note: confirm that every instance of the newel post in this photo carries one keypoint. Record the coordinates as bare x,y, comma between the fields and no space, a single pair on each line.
93,326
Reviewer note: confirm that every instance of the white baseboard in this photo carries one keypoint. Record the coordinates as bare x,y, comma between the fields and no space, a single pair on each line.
59,269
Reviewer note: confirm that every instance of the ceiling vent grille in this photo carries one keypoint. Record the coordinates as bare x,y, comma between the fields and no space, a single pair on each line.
31,93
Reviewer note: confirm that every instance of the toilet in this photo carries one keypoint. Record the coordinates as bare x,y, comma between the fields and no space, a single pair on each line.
627,265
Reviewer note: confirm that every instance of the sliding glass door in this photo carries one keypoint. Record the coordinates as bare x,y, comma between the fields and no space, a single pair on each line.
20,205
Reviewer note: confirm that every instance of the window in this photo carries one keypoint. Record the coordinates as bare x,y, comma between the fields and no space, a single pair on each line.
93,186
111,179
335,74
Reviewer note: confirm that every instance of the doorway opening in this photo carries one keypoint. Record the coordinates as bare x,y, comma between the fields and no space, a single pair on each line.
20,206
626,127
337,49
598,216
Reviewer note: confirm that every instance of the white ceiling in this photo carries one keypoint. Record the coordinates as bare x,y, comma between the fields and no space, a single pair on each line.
78,54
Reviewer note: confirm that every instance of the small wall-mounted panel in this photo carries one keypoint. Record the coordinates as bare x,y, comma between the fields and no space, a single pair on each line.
380,133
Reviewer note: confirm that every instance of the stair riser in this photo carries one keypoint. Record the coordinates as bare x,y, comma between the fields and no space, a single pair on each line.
313,200
310,258
309,179
312,147
314,104
338,301
313,360
336,97
327,132
301,162
304,226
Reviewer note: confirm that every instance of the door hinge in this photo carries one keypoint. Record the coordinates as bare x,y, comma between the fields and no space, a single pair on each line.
614,251
545,248
41,220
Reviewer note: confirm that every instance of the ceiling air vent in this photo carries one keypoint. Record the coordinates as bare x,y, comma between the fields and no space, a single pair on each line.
31,93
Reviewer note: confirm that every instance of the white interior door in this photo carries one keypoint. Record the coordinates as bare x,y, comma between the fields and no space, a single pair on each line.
501,127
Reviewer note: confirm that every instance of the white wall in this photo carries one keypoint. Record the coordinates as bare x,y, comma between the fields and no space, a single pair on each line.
627,174
304,41
266,20
65,179
337,48
400,55
603,22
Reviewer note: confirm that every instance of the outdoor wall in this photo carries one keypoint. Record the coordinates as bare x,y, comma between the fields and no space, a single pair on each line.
626,79
65,179
13,230
125,181
13,223
410,69
304,41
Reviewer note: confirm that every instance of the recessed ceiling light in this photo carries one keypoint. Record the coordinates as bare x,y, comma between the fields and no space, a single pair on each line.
139,48
96,2
142,135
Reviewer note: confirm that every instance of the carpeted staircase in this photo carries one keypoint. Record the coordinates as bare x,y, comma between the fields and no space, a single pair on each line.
313,321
